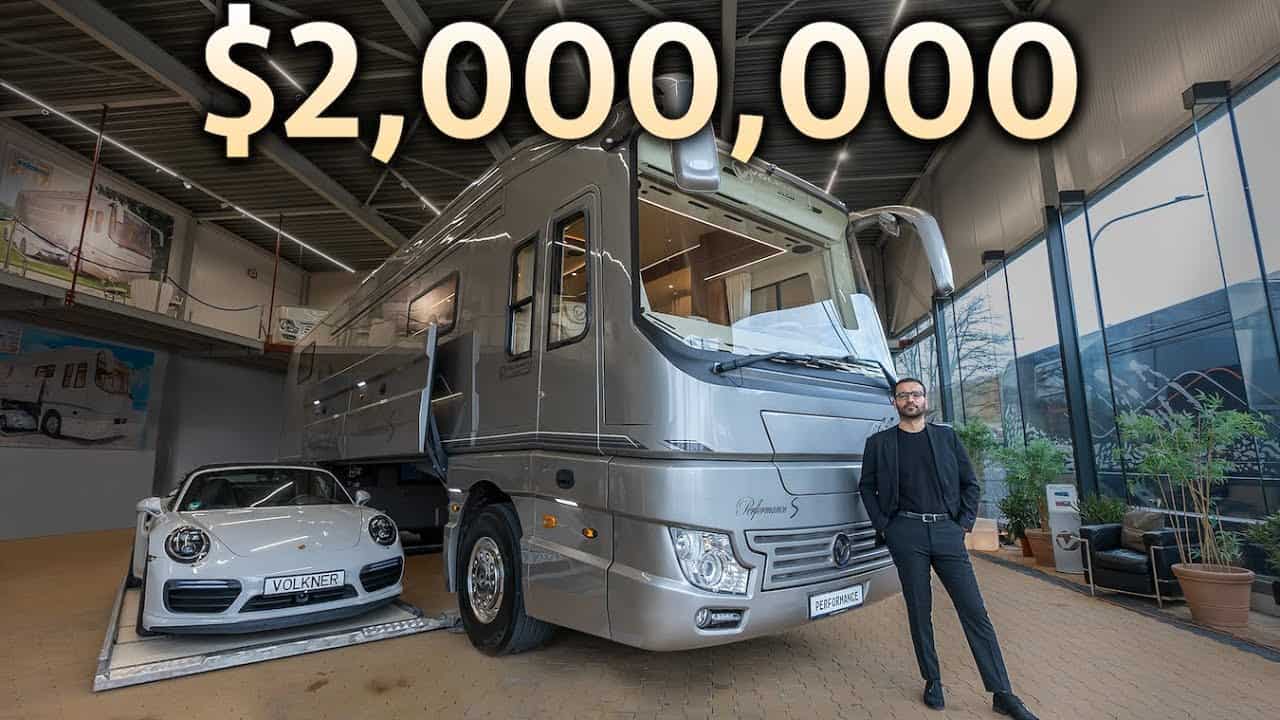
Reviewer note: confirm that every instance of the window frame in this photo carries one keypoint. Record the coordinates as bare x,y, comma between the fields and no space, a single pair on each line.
68,372
47,371
456,278
514,303
560,223
308,359
81,375
777,288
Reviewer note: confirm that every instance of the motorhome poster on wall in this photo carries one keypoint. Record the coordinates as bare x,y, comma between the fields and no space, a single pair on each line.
67,392
42,210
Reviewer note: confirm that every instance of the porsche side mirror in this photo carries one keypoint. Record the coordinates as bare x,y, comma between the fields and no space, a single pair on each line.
152,506
363,497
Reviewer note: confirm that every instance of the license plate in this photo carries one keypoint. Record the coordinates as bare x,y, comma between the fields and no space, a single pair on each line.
293,584
836,601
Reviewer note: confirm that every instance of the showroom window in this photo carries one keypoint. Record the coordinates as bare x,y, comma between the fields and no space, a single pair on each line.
520,302
570,282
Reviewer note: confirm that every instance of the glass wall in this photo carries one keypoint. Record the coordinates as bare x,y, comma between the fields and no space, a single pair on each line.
1175,271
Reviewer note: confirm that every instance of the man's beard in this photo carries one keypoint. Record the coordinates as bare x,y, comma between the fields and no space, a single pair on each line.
906,413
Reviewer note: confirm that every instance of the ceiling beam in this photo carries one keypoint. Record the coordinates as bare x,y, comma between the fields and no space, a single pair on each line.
123,39
413,20
728,62
297,211
114,102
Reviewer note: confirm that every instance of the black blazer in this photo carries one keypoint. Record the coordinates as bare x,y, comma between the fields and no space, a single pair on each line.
879,483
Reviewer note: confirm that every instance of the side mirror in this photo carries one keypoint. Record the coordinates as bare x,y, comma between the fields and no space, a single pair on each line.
152,506
363,497
695,161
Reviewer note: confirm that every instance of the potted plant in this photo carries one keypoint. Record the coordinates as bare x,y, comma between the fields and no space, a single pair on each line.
1101,510
1020,512
1186,456
979,443
1266,535
1028,470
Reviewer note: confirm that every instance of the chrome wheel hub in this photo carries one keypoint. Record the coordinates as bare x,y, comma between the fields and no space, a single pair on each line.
485,576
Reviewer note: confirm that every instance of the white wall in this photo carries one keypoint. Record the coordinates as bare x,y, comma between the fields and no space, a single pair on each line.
1135,61
222,266
327,289
54,491
216,412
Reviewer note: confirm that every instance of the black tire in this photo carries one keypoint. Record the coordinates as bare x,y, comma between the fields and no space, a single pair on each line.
511,630
131,580
142,601
51,424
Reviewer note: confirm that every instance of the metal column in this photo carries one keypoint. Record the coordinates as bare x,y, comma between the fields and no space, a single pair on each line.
1072,367
940,344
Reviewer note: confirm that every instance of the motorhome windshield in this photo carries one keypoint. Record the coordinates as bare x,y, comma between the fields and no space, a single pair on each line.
726,282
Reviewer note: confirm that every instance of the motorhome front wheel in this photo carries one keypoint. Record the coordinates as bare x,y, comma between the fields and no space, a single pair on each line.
489,597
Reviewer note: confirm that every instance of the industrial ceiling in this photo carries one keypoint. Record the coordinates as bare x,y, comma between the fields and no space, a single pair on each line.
144,59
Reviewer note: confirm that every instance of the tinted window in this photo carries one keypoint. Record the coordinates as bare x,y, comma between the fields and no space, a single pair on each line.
569,281
261,487
437,305
520,307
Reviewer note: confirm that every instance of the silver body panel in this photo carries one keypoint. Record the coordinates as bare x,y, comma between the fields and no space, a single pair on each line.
651,441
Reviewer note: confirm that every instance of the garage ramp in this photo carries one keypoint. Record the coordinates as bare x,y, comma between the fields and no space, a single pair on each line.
127,659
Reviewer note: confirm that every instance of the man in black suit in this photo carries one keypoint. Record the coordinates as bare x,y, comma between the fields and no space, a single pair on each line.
920,492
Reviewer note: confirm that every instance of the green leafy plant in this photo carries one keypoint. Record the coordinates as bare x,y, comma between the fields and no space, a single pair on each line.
1030,468
1020,511
1186,456
1101,510
979,443
1266,535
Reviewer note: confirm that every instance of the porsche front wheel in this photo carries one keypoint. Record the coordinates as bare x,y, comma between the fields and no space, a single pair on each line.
490,598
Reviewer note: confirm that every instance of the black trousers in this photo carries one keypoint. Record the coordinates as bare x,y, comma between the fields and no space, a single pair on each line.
917,546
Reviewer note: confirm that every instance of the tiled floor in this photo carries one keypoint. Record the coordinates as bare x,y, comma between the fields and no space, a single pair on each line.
1069,656
1263,630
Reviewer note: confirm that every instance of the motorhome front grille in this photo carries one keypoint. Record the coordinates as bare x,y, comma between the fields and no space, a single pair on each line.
805,556
259,603
380,575
200,596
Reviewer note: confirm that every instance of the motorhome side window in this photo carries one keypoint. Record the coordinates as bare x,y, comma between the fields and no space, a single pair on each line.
307,363
438,305
45,371
569,282
520,306
790,293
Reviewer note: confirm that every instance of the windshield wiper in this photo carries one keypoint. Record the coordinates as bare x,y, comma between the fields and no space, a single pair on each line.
833,362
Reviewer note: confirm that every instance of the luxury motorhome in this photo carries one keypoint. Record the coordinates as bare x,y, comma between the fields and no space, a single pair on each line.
75,392
644,373
118,243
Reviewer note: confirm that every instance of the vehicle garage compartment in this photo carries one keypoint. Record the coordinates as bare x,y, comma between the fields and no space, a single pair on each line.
128,659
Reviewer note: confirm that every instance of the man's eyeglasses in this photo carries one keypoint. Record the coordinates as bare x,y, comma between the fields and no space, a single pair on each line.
913,394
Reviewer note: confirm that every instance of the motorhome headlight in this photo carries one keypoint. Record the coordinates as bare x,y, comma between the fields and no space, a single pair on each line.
382,530
187,544
707,560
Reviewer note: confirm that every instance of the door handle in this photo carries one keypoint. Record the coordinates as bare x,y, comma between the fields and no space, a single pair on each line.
564,478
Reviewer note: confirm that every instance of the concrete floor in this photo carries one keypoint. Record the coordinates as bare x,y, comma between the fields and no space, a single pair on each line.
1069,657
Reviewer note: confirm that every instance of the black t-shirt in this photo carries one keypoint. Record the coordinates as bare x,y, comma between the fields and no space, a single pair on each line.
918,489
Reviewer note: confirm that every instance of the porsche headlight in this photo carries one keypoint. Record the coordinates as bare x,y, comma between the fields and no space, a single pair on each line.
187,544
382,530
708,562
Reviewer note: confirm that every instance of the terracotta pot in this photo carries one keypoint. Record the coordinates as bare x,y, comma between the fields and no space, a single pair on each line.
1026,546
1217,595
1041,546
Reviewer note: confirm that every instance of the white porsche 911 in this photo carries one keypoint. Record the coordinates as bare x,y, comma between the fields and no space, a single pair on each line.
244,548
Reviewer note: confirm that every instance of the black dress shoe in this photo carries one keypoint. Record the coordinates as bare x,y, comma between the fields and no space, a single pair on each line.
1009,704
933,695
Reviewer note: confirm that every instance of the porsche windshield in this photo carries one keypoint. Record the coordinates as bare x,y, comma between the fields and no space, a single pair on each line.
719,281
241,488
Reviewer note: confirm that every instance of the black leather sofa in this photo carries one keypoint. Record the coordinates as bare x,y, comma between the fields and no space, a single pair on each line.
1111,566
